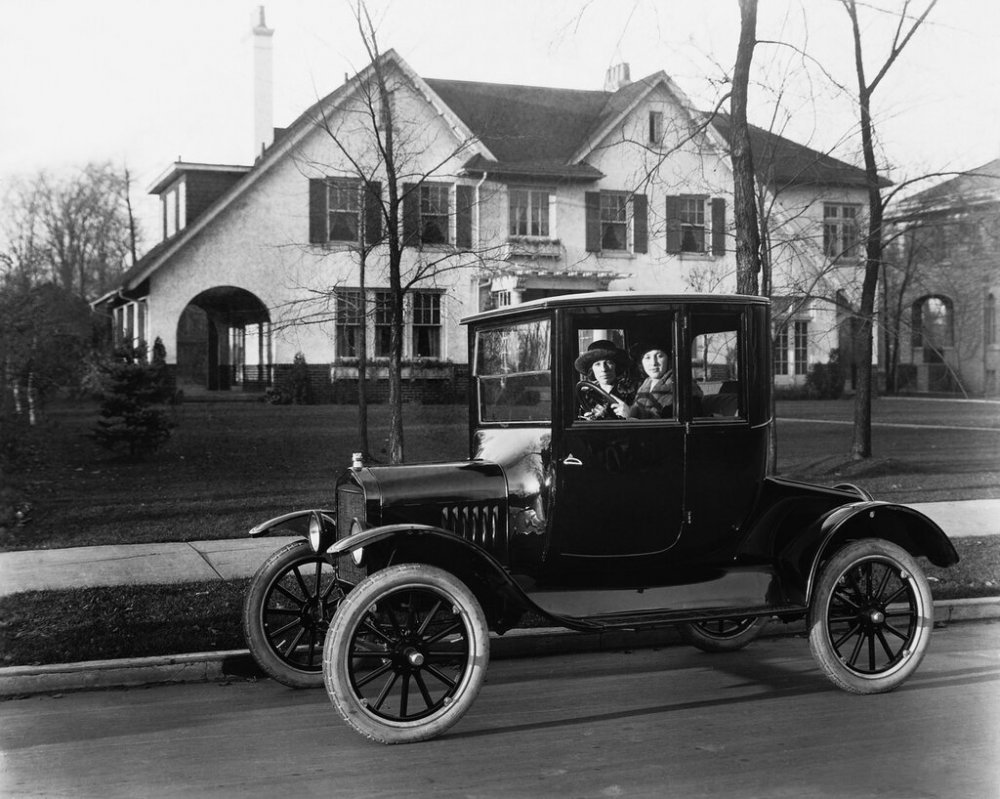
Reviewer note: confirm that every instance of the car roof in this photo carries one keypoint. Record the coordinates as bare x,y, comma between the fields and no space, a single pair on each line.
622,298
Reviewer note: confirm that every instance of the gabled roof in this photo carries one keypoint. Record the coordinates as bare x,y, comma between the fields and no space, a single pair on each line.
783,163
979,185
526,131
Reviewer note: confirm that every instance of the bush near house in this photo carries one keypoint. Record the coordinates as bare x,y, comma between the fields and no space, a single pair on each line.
826,380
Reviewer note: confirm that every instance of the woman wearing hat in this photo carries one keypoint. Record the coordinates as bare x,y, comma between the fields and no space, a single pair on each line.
606,366
655,397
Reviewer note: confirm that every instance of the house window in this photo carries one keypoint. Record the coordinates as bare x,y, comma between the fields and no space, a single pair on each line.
343,202
614,220
426,325
434,213
655,127
692,216
502,299
349,328
529,212
840,230
696,224
801,343
383,323
781,351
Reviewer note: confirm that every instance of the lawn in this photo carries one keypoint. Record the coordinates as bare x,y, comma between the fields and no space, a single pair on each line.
229,466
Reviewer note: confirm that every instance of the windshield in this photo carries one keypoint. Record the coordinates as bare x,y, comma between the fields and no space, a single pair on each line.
513,373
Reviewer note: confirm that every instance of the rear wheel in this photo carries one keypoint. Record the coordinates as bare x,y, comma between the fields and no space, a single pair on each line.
722,635
871,617
406,654
287,610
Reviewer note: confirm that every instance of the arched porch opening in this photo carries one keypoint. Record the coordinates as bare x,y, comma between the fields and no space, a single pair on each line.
224,342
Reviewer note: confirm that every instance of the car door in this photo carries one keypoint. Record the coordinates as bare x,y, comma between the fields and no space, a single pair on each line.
619,484
727,439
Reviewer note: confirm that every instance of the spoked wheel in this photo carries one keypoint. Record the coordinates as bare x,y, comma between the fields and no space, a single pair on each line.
287,610
406,654
722,635
871,617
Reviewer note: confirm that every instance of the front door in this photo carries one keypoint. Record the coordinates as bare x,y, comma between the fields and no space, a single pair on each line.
619,482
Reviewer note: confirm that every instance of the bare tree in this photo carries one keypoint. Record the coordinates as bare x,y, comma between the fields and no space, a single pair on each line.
907,26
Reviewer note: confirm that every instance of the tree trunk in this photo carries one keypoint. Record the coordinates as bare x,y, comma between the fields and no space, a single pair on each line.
744,195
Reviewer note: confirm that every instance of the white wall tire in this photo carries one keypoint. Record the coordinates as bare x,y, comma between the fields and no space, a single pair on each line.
406,653
871,616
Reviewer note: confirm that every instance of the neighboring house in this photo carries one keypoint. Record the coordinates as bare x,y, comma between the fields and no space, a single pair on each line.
514,193
942,282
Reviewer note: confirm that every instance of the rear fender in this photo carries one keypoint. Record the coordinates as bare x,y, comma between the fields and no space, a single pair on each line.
802,559
500,595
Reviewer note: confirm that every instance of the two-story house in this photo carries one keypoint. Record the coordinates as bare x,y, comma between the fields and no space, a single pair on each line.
505,194
942,282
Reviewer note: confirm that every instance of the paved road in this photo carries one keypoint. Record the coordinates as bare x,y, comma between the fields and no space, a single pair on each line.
673,722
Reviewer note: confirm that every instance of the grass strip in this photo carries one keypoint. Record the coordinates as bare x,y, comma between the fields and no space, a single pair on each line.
43,627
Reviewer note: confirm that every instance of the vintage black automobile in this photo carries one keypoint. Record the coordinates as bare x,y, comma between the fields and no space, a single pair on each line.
591,524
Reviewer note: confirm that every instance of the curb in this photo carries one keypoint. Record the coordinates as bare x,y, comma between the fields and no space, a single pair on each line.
20,681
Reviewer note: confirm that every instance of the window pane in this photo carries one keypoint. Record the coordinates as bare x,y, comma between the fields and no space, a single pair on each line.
513,373
801,347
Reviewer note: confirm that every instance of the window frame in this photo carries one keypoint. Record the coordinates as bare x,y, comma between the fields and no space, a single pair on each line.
432,328
622,207
425,199
800,347
534,215
348,321
699,204
341,188
837,243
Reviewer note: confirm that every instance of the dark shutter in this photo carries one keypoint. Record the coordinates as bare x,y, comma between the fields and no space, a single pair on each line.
317,211
718,226
592,204
411,215
463,217
673,224
640,225
373,212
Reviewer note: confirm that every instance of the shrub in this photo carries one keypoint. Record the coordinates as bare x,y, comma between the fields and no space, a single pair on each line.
131,388
826,380
298,381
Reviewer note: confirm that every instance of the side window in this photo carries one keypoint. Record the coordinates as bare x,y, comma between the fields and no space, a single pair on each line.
715,367
624,368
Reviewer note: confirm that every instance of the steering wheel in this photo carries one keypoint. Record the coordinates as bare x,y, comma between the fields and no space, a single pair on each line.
590,397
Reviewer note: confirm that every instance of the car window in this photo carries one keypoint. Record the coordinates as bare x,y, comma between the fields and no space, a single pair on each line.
715,366
630,361
513,372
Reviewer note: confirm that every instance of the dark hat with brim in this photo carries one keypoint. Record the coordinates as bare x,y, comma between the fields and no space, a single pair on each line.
601,350
640,349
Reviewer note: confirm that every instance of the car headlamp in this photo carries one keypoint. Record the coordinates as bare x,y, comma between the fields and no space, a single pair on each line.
322,533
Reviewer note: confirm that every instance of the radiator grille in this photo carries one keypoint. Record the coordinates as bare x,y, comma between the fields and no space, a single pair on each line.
350,506
479,523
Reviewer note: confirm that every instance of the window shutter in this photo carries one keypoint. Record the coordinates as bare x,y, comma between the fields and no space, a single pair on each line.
411,215
317,210
373,212
463,217
673,224
592,203
718,226
640,225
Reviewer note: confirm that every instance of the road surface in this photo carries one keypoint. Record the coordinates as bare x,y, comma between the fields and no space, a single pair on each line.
673,722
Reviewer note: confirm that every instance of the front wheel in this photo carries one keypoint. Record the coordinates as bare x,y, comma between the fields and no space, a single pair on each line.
406,653
722,635
287,610
871,617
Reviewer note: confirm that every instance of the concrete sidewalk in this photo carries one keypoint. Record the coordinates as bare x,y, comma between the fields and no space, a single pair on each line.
198,561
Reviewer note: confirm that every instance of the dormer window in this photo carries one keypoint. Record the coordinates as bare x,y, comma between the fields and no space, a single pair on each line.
174,205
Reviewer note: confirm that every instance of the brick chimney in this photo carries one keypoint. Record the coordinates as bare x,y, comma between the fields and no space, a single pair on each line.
616,77
263,86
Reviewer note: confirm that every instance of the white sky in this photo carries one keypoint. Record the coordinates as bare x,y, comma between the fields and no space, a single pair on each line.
143,82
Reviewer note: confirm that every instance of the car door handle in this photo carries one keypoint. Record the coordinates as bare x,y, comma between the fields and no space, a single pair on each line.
571,460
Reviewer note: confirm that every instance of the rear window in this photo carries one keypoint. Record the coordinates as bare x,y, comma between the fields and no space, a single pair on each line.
513,372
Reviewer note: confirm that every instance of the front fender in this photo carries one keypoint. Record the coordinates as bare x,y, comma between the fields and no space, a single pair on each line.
499,593
297,522
802,559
